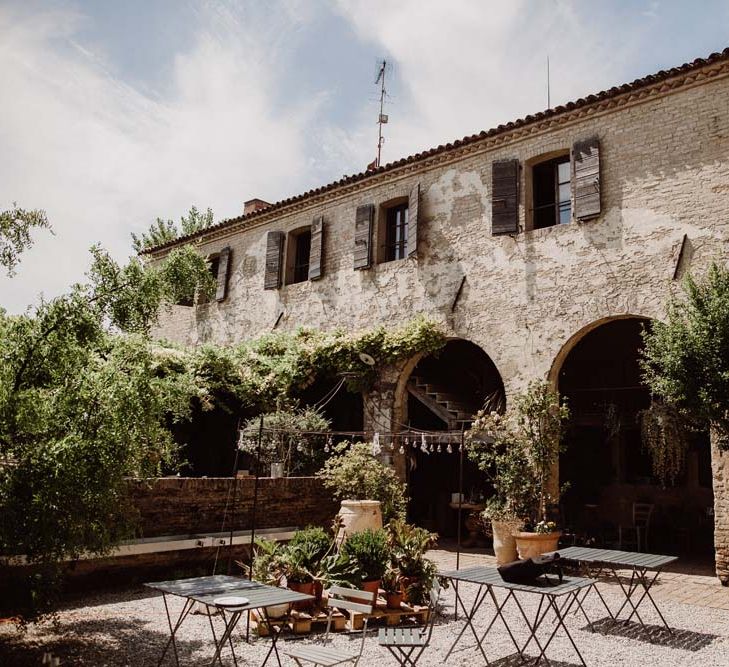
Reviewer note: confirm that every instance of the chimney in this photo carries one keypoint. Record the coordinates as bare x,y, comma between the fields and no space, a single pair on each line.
253,205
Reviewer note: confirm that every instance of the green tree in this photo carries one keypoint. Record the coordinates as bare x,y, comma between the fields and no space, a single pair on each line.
16,226
85,400
164,231
686,358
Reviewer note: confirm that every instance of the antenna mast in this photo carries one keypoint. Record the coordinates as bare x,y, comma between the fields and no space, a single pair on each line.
382,119
549,101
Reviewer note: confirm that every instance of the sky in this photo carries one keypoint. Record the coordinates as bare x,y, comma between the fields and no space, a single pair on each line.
115,113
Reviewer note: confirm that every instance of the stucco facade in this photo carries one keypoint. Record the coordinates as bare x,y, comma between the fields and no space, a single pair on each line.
527,297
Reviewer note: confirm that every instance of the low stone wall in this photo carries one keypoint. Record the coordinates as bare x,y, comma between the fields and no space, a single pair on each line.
187,505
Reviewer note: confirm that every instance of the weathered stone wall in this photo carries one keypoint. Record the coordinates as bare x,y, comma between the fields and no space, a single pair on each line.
188,506
664,174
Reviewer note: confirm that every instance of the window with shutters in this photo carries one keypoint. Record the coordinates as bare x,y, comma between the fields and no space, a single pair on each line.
392,231
298,251
551,193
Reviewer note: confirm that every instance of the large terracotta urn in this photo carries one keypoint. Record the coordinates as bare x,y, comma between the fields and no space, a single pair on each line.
359,515
529,545
504,540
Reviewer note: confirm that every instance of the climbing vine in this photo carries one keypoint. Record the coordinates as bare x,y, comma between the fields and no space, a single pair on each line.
664,437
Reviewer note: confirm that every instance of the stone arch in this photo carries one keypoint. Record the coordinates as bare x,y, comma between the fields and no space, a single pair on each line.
400,400
607,469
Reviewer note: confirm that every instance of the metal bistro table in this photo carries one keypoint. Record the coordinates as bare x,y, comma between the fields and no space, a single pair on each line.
206,590
640,565
549,590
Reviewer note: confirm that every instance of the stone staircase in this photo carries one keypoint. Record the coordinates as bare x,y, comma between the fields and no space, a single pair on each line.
455,410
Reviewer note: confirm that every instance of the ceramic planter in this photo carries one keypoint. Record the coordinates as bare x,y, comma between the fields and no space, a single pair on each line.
504,540
529,545
277,611
372,586
359,515
306,588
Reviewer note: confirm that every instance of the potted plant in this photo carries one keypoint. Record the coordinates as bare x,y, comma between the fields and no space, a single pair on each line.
267,568
370,551
313,544
392,585
370,491
517,451
408,545
298,577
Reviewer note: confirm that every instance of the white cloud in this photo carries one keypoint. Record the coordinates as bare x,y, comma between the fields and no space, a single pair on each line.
465,66
104,158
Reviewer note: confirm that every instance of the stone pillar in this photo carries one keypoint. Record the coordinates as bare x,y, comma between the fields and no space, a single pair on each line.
720,474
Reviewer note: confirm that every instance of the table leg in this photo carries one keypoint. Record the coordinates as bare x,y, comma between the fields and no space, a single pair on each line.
499,614
533,627
186,608
274,636
647,585
225,637
560,623
478,601
632,587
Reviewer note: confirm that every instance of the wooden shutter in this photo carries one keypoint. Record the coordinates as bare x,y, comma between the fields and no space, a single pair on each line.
413,221
316,253
504,197
274,255
223,267
363,236
586,178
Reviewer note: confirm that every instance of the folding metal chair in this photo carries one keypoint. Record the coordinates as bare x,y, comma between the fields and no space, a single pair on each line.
404,642
354,600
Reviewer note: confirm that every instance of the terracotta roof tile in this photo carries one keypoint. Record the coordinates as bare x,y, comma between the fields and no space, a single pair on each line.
662,75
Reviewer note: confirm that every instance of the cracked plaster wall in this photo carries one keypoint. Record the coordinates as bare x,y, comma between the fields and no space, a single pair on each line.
664,173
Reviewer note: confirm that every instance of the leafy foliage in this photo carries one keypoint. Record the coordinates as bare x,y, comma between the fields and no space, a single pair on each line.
408,545
664,435
686,358
370,550
301,454
15,229
354,473
164,231
517,450
81,408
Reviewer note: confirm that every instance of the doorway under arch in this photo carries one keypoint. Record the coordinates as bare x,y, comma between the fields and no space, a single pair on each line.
607,471
442,393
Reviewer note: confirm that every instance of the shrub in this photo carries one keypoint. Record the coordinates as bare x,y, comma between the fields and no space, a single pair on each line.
354,473
370,551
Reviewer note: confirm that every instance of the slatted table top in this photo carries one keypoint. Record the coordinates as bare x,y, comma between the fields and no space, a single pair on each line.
208,589
612,557
489,576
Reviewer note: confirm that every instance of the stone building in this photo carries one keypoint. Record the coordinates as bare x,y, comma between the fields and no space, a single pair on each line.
541,247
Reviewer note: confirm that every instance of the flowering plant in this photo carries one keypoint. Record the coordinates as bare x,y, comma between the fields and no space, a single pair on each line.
545,527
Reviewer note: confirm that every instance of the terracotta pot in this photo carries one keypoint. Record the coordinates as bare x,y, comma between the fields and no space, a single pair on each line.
318,591
529,545
372,587
359,515
306,588
394,600
504,540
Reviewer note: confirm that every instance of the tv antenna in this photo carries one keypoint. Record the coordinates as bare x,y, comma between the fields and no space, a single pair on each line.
383,67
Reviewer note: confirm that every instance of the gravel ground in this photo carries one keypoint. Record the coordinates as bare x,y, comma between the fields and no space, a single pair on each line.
130,628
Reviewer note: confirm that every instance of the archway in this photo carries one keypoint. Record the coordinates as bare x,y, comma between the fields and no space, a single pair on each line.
442,392
608,472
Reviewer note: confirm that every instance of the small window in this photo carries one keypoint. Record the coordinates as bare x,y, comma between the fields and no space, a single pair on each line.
552,194
396,233
298,251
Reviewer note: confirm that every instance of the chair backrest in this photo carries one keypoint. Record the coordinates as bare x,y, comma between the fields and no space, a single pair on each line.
353,600
432,611
642,514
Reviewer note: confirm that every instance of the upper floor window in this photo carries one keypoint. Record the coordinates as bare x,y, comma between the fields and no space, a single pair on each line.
396,232
552,195
298,252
